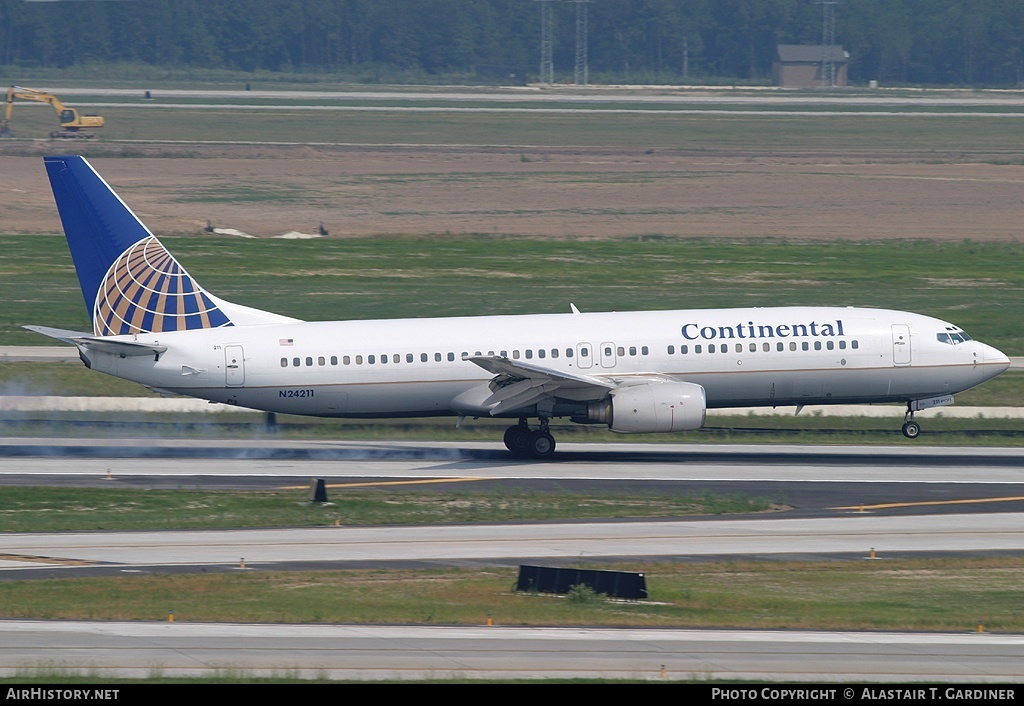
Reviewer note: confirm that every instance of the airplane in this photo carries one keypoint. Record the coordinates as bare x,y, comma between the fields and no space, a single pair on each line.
634,372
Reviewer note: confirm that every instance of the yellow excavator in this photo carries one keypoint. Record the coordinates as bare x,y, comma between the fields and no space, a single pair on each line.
72,125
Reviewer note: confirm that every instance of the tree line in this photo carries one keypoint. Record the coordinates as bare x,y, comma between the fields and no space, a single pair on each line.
918,42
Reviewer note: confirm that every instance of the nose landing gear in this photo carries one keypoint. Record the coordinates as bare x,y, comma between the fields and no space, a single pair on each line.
524,442
911,429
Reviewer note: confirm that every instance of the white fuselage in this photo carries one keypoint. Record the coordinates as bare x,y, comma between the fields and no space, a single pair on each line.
418,367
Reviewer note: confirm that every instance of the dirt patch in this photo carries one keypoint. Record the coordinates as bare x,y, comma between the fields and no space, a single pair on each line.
549,193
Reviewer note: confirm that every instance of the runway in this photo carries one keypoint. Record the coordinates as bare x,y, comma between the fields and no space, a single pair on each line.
966,501
504,652
845,501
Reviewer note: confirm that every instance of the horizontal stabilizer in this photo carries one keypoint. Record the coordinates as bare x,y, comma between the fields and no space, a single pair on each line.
59,333
103,344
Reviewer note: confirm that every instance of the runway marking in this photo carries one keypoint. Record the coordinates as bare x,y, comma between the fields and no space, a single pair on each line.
923,503
388,482
31,559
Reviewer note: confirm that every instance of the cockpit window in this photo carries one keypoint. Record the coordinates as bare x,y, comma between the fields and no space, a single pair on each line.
953,337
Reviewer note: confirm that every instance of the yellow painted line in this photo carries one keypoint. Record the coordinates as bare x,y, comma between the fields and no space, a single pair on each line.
30,559
886,506
387,482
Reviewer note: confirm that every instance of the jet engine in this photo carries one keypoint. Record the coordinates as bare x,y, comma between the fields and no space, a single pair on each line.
649,407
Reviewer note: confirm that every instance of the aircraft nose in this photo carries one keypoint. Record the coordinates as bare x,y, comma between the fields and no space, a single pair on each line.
996,359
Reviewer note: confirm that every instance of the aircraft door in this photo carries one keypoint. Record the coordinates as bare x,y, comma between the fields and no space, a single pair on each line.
900,344
584,355
234,366
607,355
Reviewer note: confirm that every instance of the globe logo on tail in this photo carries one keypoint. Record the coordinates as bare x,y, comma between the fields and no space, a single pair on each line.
147,291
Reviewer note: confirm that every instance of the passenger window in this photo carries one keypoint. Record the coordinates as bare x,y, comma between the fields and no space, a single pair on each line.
384,359
622,351
423,357
711,348
753,348
437,357
842,345
568,352
334,360
554,352
684,349
780,346
284,362
541,353
644,350
854,345
817,345
309,360
397,358
451,356
739,347
296,362
671,350
792,345
697,348
346,360
830,345
805,346
767,347
359,360
321,361
371,359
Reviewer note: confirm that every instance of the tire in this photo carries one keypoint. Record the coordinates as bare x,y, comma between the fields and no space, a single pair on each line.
517,440
541,445
911,430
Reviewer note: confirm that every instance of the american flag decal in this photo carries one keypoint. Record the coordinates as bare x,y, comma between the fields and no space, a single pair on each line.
286,341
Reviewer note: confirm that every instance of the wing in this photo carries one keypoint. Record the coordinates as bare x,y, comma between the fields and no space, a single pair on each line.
519,384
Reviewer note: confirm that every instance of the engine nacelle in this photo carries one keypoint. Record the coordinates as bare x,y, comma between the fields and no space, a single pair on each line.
650,407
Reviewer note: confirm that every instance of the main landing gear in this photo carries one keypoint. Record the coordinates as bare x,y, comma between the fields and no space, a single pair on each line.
524,442
911,429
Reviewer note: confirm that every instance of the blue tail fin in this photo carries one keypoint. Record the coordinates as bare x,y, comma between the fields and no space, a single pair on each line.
130,282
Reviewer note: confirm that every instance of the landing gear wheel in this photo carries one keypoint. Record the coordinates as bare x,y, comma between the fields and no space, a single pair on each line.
517,440
911,429
541,445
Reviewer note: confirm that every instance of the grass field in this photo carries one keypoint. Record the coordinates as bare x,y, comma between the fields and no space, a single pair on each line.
943,131
954,595
979,286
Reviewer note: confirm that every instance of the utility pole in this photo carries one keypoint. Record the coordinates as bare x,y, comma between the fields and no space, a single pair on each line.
828,41
547,67
581,75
